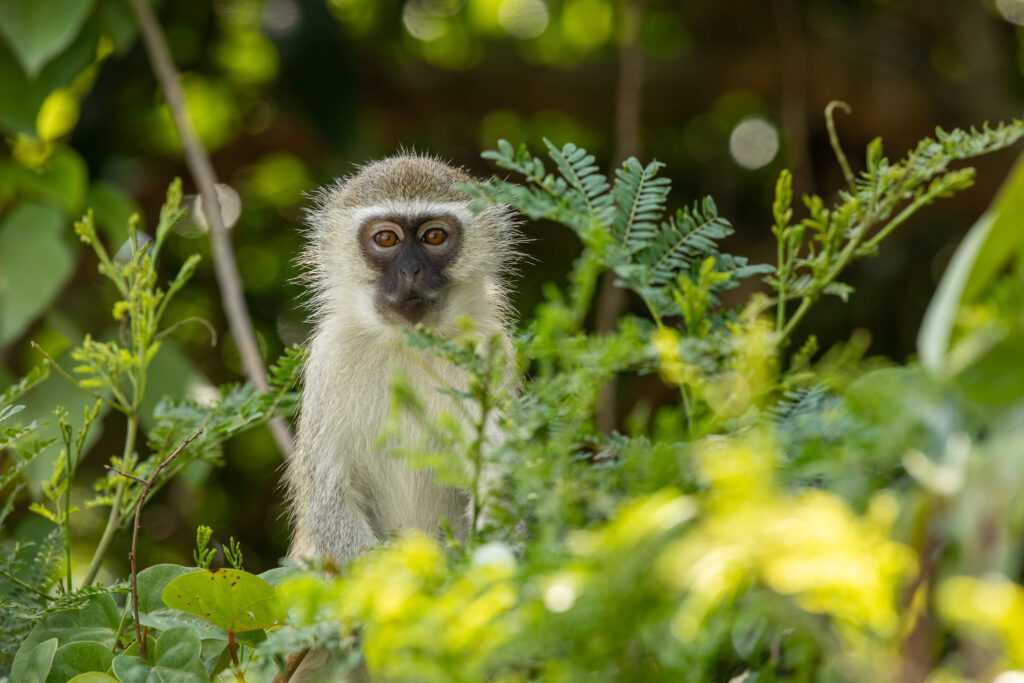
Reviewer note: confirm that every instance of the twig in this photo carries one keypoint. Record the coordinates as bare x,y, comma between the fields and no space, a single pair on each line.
612,300
201,168
833,138
192,319
27,586
147,484
125,474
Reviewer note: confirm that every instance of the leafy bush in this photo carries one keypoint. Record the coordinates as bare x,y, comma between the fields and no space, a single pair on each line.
793,515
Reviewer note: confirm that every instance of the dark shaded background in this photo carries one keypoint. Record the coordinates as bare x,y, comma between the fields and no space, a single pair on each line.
289,94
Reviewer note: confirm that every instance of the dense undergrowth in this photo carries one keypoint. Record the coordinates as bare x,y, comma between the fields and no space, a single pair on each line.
796,514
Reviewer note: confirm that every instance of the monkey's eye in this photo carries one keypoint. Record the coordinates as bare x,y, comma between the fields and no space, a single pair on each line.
386,238
434,236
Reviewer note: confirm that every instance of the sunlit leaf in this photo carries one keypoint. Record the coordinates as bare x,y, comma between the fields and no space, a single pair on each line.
232,599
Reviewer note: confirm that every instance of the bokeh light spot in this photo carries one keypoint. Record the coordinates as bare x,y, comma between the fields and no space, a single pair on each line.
587,24
1012,10
523,18
427,20
281,16
754,142
560,596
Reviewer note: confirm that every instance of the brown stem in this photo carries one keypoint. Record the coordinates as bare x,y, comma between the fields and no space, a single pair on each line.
201,168
291,666
233,649
147,484
611,300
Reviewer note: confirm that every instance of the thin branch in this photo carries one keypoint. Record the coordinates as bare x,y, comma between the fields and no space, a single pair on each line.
628,99
147,484
201,168
125,474
191,320
22,584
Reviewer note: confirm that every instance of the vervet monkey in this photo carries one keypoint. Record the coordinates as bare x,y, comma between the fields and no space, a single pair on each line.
392,246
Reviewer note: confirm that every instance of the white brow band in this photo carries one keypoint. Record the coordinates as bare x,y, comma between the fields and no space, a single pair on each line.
412,208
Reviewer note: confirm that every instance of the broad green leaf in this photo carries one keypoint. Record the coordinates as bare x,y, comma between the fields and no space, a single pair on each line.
278,574
62,183
96,621
152,581
21,97
988,247
37,665
117,23
1005,236
232,599
176,659
167,618
112,207
35,262
79,658
93,677
172,373
39,30
996,376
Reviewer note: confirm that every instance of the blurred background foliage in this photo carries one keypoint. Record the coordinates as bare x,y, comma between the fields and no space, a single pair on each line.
288,94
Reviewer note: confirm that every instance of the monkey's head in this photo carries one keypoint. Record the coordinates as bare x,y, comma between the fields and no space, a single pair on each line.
397,244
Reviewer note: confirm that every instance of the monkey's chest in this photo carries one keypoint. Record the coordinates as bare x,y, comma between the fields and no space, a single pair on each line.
390,454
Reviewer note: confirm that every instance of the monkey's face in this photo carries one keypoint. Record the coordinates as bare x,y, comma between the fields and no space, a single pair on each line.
411,256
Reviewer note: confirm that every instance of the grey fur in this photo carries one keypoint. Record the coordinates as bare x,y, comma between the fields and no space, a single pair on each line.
345,495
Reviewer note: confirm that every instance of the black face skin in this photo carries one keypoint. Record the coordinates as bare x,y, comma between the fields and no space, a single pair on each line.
411,256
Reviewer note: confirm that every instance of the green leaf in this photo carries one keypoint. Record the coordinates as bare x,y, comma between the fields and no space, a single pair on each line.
93,677
165,619
1005,236
37,665
996,376
176,659
117,23
171,373
39,30
152,581
79,658
62,183
35,261
278,574
96,621
232,599
21,97
112,207
990,244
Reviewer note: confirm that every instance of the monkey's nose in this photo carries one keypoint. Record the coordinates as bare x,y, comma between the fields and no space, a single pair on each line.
410,273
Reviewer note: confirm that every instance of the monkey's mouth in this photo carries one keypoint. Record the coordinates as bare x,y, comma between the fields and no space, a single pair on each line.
413,306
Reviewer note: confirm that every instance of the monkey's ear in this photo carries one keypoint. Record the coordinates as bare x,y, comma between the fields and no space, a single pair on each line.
230,209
